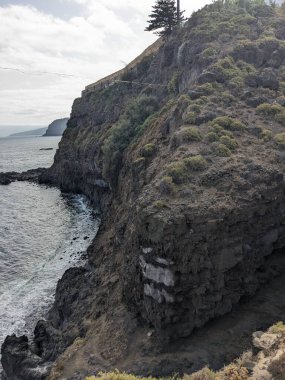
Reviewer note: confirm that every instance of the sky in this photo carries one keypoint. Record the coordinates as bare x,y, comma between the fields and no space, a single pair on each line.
51,49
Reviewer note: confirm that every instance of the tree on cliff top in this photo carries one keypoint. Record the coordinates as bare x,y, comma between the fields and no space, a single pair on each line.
164,17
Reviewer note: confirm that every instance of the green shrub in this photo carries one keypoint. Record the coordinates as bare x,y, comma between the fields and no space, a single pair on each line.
178,171
229,123
206,89
189,117
227,133
196,163
173,84
166,185
125,131
186,134
280,118
191,134
212,136
218,129
276,111
266,134
234,372
277,328
229,142
226,68
280,140
117,376
223,151
148,150
268,109
209,53
159,204
148,121
203,374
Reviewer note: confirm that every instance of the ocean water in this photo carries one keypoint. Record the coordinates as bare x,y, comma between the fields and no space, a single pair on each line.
42,233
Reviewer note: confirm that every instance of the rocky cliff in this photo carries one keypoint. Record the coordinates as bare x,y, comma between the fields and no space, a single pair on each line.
185,159
57,127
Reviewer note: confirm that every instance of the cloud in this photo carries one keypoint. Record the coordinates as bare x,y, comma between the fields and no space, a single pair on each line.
88,47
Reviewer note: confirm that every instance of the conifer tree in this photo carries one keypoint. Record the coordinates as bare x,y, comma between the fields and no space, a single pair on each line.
164,17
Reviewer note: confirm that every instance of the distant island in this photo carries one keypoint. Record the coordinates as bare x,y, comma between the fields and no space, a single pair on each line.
33,132
56,128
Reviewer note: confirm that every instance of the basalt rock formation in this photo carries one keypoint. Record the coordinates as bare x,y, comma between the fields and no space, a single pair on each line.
185,159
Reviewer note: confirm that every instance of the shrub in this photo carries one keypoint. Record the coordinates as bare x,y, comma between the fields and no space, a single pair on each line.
277,368
186,134
234,372
159,204
280,118
205,89
212,136
229,123
227,133
277,328
218,129
178,171
266,134
229,142
191,134
125,131
223,151
203,374
196,163
117,376
148,150
173,84
189,117
209,53
166,185
268,109
148,121
280,140
276,111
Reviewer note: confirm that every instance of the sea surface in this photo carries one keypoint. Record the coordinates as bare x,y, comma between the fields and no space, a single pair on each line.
42,233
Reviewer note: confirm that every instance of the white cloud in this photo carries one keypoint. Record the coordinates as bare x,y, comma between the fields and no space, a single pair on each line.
89,46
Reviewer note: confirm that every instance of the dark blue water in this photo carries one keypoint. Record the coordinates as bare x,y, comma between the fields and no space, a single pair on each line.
42,233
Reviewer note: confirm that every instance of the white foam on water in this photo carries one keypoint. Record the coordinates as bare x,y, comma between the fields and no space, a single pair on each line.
42,234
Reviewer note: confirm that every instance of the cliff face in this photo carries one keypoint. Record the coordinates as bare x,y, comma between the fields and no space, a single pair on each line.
57,127
187,168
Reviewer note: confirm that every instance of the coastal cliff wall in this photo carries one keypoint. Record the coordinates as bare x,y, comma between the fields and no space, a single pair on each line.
188,172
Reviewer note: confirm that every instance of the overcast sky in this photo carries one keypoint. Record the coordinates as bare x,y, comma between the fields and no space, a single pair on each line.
82,39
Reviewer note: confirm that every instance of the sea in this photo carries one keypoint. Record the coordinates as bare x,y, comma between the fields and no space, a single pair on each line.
43,232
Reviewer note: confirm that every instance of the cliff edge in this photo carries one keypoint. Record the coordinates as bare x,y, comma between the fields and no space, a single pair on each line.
185,157
56,128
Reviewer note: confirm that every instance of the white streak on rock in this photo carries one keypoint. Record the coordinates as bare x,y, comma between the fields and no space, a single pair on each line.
157,274
160,260
147,250
157,294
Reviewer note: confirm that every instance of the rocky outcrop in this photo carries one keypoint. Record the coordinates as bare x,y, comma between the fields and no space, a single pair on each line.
20,363
189,177
32,175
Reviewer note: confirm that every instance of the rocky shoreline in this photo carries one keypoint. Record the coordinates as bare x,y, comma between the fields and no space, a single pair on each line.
32,175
